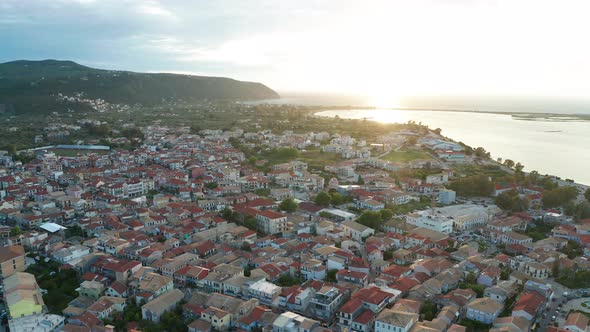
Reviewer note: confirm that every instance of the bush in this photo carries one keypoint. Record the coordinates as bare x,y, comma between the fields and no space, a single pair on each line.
476,185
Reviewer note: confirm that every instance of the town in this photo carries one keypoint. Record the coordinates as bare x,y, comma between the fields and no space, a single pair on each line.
288,231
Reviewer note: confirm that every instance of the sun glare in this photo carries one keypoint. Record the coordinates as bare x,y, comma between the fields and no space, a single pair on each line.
383,100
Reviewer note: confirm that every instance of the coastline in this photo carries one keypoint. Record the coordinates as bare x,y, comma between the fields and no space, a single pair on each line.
523,116
541,117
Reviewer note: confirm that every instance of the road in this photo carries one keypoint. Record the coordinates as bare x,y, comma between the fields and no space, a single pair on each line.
552,306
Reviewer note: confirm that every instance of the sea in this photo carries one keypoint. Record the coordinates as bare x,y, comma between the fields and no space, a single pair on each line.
548,134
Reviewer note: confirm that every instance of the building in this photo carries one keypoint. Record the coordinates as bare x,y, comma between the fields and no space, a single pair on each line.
292,322
154,309
394,320
325,303
37,323
22,295
71,254
529,305
219,319
12,260
264,291
576,322
447,196
271,222
357,231
428,219
484,310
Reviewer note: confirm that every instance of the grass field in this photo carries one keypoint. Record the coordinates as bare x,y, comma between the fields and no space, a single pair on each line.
318,159
493,171
405,156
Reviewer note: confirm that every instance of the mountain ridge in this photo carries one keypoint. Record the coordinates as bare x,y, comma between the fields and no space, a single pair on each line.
29,84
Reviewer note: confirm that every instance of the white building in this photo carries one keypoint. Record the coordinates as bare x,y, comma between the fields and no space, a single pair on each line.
447,196
429,220
357,231
264,291
71,254
390,320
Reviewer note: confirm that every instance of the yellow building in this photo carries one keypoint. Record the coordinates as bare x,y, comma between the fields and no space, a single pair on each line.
23,296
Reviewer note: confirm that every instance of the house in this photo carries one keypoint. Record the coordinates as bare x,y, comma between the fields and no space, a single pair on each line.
264,291
357,231
529,305
489,276
577,322
91,288
22,295
502,291
12,260
154,309
295,298
358,278
219,319
370,204
271,222
393,320
313,269
106,305
484,310
507,324
199,325
155,284
292,322
71,254
117,289
325,303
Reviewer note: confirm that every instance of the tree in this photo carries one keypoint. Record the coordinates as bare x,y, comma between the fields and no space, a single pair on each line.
471,278
336,198
511,201
288,205
251,223
518,173
555,269
587,194
331,275
428,310
211,185
370,219
572,249
74,231
14,231
387,255
559,196
246,246
505,274
287,281
509,163
481,152
476,185
386,214
322,199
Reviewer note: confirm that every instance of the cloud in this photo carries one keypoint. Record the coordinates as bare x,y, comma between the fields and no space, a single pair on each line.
154,8
420,46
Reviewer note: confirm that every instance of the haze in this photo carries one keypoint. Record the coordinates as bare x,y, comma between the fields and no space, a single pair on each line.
380,48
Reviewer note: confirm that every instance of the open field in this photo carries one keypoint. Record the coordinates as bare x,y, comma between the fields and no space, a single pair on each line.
318,159
405,156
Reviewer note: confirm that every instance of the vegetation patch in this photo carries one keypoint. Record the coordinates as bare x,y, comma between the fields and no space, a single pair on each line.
405,156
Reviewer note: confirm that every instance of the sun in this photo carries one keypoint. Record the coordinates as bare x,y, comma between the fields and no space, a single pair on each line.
383,99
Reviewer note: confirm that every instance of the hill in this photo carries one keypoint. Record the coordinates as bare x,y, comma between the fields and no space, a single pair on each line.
27,86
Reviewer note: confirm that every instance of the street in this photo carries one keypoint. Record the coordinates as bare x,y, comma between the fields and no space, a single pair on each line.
553,307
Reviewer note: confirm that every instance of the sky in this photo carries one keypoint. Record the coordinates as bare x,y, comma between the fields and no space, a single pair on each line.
372,47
